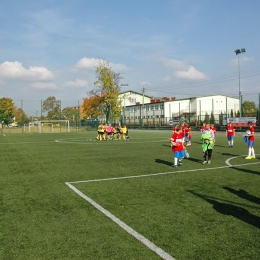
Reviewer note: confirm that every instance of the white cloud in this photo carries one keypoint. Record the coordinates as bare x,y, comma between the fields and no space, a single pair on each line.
191,73
44,85
15,70
174,64
181,69
91,63
167,78
87,63
118,67
78,83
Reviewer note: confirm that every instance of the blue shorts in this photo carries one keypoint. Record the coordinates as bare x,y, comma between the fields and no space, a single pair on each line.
179,154
251,143
230,138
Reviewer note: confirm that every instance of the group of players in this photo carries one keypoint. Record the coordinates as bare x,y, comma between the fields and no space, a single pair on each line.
181,139
107,132
249,138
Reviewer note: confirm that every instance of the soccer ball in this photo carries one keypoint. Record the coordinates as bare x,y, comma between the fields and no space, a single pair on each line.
248,132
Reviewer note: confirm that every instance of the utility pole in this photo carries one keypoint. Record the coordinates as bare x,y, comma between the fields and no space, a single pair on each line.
143,90
238,52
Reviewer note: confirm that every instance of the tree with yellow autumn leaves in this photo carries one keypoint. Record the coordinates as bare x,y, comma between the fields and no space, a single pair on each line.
103,100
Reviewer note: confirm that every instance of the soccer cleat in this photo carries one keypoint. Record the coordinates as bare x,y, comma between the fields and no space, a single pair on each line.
248,157
204,162
253,157
180,163
175,166
209,161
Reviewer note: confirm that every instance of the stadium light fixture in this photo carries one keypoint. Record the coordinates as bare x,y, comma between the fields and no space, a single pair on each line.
238,52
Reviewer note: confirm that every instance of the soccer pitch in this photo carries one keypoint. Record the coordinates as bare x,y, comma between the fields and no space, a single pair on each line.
68,196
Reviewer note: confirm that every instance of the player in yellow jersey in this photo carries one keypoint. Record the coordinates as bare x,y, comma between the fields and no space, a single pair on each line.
124,132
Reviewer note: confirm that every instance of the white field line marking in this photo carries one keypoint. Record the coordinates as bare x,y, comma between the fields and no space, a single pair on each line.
46,142
164,173
227,161
123,225
86,141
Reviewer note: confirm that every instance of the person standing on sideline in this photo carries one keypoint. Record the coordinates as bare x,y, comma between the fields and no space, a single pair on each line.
203,128
177,147
230,133
251,141
207,144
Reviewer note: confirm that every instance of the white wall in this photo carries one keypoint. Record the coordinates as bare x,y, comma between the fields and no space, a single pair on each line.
131,98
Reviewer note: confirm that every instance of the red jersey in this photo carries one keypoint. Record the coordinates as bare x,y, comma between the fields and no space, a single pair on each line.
188,132
203,128
177,138
230,129
252,130
214,129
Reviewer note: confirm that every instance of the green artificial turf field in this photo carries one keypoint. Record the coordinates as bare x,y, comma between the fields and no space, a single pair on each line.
69,196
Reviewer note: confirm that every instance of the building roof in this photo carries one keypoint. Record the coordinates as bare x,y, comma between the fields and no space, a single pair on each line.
132,91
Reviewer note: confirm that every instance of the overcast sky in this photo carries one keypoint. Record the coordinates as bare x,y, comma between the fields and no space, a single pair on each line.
181,48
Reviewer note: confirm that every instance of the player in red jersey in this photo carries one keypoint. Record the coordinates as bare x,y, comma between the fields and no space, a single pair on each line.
214,129
187,134
230,133
251,141
177,146
203,128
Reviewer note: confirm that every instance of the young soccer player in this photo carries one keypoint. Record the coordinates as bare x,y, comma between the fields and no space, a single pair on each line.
207,144
203,128
177,147
251,141
230,133
214,129
187,134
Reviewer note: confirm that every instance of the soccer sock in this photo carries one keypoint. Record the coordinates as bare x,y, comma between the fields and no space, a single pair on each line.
175,160
249,151
229,143
232,142
252,151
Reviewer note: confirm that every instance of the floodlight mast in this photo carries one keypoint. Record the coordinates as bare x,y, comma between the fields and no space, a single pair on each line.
238,52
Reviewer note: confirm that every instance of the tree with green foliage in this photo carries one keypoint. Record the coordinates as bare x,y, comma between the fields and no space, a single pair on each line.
71,114
53,107
108,86
212,118
206,120
6,111
249,108
20,116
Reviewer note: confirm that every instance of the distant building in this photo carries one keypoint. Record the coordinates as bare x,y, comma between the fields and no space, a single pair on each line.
196,107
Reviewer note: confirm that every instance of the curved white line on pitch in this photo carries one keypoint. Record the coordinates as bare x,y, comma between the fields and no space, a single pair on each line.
87,141
228,160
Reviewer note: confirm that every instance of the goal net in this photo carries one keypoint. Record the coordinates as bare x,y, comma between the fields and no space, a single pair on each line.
53,126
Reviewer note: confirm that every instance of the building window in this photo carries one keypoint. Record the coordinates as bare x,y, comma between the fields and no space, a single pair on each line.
156,107
133,100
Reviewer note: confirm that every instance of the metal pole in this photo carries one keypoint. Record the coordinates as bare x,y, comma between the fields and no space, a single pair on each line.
239,93
142,108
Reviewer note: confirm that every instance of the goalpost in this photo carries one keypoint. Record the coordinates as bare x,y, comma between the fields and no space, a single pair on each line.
54,126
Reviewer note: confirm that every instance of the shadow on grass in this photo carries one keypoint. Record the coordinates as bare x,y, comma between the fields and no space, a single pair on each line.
164,162
243,194
195,160
246,170
231,210
230,154
167,145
